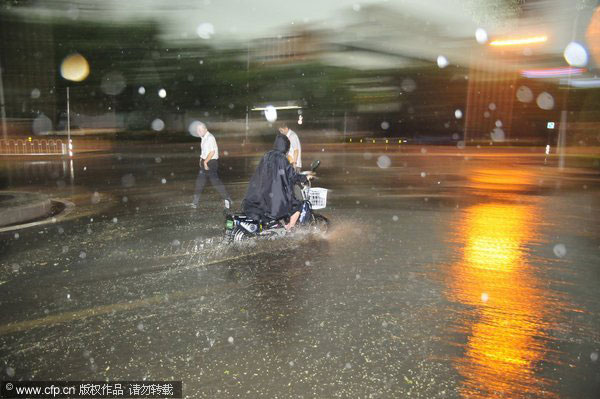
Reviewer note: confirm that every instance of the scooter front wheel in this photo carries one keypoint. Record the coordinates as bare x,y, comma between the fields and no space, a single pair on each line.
319,223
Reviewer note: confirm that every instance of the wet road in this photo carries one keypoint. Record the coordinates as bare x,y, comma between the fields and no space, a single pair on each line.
448,273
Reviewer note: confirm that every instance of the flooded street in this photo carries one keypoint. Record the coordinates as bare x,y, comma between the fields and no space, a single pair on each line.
446,273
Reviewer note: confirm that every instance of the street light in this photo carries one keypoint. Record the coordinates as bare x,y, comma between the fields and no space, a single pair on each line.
519,42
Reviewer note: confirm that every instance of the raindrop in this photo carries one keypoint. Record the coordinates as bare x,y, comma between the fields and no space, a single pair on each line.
82,255
395,218
385,125
175,243
458,114
15,268
231,106
158,125
163,181
75,67
384,324
68,296
61,230
162,93
35,93
128,180
492,106
158,159
481,36
115,220
113,83
408,85
17,236
498,123
205,30
95,197
230,340
576,55
348,366
486,114
357,277
423,174
560,250
455,136
140,326
307,263
125,200
42,124
497,135
73,12
484,297
594,356
142,90
460,145
65,249
545,101
524,94
10,371
442,62
384,162
423,150
291,363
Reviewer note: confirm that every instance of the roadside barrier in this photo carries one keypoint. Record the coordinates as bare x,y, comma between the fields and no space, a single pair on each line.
33,147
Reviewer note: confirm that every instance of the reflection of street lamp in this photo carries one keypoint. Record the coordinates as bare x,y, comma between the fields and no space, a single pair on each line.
2,107
74,68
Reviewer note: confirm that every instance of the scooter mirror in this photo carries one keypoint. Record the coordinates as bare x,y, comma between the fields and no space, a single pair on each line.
315,165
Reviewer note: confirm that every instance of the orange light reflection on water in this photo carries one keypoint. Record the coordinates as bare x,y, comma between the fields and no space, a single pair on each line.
504,333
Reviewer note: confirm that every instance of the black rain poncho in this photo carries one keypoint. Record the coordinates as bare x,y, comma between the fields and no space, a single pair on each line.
271,191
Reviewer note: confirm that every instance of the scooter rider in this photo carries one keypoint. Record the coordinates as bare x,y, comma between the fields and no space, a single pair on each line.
270,193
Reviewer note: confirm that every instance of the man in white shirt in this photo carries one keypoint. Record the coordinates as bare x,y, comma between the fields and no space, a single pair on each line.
209,166
295,153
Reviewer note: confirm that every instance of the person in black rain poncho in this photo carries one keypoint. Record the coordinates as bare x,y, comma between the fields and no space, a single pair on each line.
271,191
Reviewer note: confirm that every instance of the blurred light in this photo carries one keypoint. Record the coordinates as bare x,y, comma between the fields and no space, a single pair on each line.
581,83
458,114
29,139
518,42
547,149
270,113
75,68
300,119
142,90
276,107
551,72
205,30
162,93
592,35
550,125
576,55
481,36
442,61
35,93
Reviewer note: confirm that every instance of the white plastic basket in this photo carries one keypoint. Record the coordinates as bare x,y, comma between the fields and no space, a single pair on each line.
317,197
